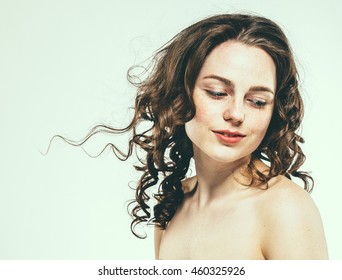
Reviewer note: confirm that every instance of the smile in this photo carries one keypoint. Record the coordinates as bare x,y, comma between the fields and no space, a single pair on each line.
229,137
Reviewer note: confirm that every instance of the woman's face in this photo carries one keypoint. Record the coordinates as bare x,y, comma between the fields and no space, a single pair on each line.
234,99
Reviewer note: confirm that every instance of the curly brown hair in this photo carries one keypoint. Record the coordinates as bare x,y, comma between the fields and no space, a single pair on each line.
164,102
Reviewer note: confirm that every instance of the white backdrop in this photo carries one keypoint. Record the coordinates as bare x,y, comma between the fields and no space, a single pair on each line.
63,69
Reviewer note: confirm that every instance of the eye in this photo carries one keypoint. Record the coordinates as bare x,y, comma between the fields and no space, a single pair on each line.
258,103
215,94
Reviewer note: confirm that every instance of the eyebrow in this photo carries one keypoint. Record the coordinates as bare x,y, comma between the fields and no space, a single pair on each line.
230,84
227,82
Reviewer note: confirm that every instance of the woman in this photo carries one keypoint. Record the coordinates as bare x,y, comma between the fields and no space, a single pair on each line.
224,92
232,81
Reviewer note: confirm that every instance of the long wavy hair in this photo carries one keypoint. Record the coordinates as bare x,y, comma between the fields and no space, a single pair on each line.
164,104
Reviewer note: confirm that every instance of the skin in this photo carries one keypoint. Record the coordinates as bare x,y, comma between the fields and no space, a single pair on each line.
223,218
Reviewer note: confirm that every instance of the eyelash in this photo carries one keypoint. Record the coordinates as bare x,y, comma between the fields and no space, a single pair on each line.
257,103
215,94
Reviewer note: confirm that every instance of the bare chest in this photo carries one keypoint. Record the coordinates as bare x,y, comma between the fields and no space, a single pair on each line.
220,234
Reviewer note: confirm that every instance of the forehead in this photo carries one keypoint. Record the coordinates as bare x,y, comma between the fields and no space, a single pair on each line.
240,63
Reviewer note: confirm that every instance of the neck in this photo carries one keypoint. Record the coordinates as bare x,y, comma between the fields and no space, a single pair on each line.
218,179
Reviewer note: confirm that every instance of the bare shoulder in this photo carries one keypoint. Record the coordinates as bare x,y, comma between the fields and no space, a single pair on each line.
292,226
284,196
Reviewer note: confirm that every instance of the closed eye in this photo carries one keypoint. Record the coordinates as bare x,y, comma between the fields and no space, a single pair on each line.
215,94
258,103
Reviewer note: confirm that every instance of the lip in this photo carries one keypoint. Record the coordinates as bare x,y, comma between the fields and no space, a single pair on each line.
229,137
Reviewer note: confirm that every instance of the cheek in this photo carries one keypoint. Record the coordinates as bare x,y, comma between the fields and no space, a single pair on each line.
200,121
205,111
201,114
260,123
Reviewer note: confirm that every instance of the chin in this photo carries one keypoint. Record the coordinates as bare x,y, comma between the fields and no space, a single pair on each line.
221,154
229,157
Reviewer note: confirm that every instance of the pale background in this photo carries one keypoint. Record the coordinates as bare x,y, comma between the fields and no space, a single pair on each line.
63,69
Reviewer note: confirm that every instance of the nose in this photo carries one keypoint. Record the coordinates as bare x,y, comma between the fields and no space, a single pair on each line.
234,112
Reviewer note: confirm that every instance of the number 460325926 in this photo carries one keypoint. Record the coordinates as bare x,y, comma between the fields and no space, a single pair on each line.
218,270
